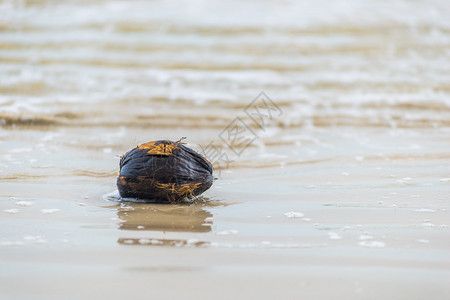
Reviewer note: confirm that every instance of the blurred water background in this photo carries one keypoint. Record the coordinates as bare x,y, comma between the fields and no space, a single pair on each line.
360,149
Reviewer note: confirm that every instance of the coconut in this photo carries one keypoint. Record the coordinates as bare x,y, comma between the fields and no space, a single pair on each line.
164,172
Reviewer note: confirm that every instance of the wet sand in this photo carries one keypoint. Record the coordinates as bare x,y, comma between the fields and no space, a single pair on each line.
343,192
349,227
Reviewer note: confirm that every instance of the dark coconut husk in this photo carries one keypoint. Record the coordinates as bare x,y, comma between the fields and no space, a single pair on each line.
163,171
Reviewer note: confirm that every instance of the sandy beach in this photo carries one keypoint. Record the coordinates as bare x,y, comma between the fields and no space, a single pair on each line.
339,188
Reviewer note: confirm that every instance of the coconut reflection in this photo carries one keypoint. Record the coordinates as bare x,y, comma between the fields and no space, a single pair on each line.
161,217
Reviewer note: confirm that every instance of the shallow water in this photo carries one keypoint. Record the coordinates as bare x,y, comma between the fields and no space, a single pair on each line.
340,177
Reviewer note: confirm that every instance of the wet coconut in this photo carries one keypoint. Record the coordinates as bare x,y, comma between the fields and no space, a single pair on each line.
163,171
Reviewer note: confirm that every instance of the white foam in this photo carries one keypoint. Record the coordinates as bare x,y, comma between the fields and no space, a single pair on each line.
372,244
156,242
20,150
112,196
37,239
425,210
427,224
334,236
293,214
192,241
405,182
49,210
144,241
227,232
423,241
25,203
12,243
365,237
